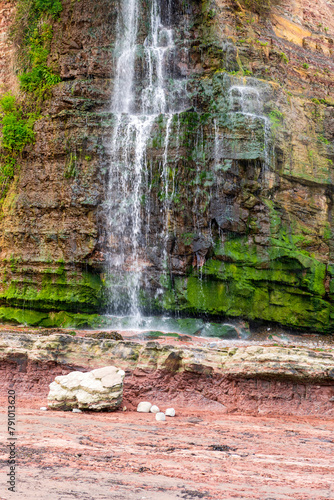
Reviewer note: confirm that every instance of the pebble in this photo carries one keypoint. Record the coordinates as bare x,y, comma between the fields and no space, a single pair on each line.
154,409
160,417
170,412
144,407
76,410
43,408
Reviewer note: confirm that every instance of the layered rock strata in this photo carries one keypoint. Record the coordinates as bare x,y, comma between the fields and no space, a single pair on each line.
247,379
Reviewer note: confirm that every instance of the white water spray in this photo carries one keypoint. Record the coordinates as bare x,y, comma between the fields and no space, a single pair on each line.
136,108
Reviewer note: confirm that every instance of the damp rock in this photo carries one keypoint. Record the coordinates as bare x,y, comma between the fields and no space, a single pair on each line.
106,336
160,417
144,407
170,412
100,389
154,409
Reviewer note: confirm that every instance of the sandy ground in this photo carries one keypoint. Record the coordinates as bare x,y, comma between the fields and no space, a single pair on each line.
199,454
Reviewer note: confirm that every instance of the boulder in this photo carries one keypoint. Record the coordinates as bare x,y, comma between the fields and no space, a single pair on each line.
100,389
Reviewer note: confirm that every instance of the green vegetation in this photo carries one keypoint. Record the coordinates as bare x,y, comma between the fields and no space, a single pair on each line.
32,34
71,167
40,77
57,291
323,139
51,319
284,58
282,284
276,117
16,131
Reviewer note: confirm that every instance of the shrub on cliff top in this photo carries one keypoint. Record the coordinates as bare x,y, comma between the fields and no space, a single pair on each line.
261,6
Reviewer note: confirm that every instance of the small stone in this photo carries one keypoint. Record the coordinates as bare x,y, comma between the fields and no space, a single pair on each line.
124,408
43,408
170,412
154,409
144,407
76,410
160,417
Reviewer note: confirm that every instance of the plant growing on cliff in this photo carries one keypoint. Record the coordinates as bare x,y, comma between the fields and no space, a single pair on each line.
32,34
16,133
40,77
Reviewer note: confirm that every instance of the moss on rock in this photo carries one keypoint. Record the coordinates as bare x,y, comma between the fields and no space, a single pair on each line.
53,319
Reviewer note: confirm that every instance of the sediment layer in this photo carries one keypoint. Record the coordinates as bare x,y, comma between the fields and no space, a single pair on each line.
247,379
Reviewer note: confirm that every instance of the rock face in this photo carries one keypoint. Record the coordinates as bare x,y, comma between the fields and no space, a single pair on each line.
8,81
250,192
100,389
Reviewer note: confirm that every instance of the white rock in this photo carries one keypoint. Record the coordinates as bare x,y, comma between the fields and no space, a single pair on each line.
100,389
154,409
144,407
170,412
76,410
43,408
70,381
103,372
160,417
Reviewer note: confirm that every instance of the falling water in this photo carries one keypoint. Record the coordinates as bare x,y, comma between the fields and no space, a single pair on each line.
246,100
135,109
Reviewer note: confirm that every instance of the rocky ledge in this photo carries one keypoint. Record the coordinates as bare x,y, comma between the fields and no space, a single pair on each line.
247,379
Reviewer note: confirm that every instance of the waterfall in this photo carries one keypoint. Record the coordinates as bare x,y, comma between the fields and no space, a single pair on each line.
136,108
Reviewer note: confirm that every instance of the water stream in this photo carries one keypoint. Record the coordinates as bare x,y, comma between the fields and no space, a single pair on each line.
247,101
136,107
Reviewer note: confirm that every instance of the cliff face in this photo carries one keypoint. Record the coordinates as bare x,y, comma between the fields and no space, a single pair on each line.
7,78
248,226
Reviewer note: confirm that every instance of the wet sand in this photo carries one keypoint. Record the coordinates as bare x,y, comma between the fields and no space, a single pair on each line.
199,454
